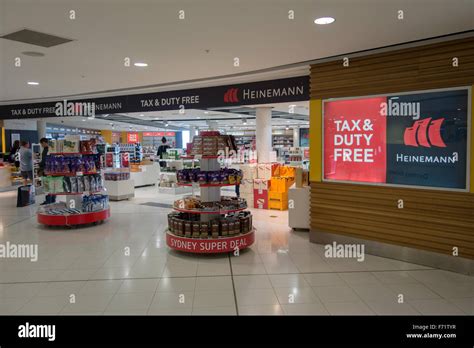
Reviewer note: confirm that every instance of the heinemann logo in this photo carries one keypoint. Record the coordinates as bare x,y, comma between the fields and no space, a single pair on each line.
231,95
66,108
426,133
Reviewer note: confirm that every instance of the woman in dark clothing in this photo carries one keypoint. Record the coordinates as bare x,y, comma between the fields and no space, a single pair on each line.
14,149
161,150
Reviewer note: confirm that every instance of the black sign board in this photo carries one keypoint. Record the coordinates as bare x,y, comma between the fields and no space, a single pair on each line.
272,91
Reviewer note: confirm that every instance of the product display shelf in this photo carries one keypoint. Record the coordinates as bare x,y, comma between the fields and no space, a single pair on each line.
204,185
74,219
219,212
82,218
210,245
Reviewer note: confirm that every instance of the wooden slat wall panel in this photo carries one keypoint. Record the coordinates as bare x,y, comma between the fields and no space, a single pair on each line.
425,67
350,209
431,220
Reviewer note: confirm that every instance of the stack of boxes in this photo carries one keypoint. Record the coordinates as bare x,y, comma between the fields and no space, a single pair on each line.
279,185
249,173
261,185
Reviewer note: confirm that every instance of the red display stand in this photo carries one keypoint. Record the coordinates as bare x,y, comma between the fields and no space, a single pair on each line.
210,245
73,219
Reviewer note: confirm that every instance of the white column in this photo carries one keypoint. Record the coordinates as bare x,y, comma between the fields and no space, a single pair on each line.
264,134
296,136
41,127
212,125
192,133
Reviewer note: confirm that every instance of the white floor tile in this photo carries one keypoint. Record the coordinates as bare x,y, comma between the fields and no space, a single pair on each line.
436,307
261,310
413,291
138,285
169,300
101,287
288,280
296,295
44,305
130,301
229,310
395,277
213,283
176,285
250,297
348,308
324,279
252,282
337,293
305,309
214,298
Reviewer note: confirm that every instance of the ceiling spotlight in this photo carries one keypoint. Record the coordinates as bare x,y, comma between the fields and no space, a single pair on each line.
83,120
33,83
166,124
324,20
244,121
206,112
198,117
287,127
142,115
141,65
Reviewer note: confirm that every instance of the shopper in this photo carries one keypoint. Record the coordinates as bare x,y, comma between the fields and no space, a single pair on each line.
161,150
44,144
13,153
26,162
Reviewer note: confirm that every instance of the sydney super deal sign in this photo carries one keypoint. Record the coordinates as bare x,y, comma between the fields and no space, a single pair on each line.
409,139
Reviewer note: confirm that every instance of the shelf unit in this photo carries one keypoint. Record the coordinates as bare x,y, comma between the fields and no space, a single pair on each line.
73,200
220,244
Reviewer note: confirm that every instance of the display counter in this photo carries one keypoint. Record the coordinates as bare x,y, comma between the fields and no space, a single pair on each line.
298,202
120,189
147,176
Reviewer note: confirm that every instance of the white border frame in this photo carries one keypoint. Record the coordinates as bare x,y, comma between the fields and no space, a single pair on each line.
468,143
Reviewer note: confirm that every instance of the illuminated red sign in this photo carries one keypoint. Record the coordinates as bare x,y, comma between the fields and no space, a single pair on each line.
159,134
132,138
355,140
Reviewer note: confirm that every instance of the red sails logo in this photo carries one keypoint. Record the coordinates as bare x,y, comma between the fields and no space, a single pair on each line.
424,133
231,95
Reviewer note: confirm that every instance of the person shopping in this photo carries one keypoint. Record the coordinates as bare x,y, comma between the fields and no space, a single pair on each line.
44,144
161,150
26,162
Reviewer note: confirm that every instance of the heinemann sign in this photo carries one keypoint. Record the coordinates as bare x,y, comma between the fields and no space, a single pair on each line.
272,91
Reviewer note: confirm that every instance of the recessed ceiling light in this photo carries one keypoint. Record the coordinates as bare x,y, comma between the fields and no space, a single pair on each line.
142,115
33,83
206,112
141,65
198,117
324,20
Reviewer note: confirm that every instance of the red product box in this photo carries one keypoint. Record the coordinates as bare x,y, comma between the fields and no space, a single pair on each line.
260,199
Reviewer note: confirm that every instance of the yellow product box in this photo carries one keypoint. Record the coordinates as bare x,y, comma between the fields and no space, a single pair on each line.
278,205
278,196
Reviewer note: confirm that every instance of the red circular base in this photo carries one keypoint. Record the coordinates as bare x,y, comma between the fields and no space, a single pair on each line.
211,245
73,219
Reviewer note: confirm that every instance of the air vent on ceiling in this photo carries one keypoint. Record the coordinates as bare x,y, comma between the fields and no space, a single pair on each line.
35,38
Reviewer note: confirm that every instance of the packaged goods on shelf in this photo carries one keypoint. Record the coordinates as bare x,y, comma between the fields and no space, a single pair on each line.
261,184
224,176
73,184
64,164
249,171
246,186
117,176
210,143
189,225
195,203
59,208
267,170
95,203
281,184
260,199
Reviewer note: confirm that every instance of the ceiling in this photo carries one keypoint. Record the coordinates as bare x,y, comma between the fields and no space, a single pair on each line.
204,44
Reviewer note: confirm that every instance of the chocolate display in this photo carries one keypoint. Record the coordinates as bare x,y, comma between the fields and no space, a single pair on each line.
226,203
62,164
224,176
189,225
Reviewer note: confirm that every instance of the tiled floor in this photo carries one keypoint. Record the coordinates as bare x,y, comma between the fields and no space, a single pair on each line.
87,271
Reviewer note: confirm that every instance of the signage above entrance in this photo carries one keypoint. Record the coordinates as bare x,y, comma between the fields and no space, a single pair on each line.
263,92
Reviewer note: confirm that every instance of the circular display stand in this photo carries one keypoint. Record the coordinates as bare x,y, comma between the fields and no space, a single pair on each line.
220,212
210,245
74,219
